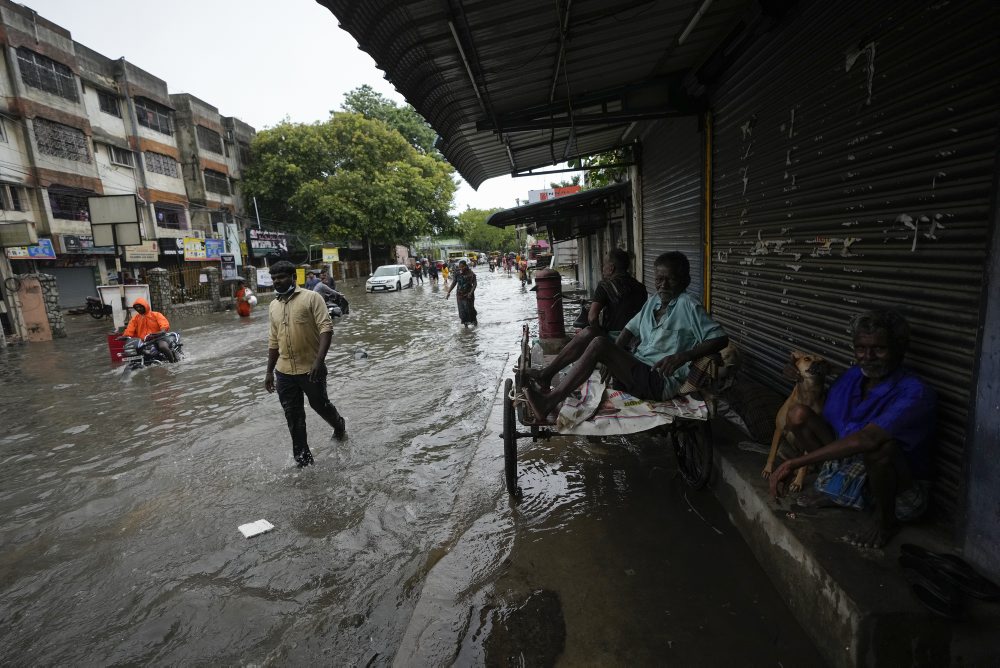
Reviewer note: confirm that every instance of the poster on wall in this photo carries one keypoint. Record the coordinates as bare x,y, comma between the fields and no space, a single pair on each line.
194,249
42,251
228,266
145,252
264,278
265,243
214,249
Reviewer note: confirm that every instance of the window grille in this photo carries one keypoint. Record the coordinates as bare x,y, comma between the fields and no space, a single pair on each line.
216,182
161,164
210,140
61,140
3,132
69,204
13,198
109,103
154,116
120,156
170,217
46,74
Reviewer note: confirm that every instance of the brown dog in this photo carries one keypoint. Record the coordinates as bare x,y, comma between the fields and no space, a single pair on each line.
809,372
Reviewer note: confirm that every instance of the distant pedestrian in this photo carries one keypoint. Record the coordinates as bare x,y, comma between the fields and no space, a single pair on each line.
432,271
298,340
245,299
417,272
312,280
326,279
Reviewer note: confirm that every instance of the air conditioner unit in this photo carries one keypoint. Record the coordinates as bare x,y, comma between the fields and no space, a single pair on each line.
197,234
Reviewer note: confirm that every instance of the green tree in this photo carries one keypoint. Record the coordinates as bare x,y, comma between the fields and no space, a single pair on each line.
607,173
403,118
476,234
572,181
349,177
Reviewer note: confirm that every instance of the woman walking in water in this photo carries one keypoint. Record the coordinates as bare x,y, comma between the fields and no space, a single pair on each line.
465,280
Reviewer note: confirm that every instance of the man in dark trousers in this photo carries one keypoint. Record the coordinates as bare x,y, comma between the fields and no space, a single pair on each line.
298,339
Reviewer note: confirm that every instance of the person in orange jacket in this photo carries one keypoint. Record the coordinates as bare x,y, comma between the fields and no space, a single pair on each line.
243,299
147,322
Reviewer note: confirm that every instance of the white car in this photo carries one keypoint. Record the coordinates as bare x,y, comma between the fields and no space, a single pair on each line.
389,277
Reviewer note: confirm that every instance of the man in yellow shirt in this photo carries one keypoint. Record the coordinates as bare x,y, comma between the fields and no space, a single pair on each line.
298,340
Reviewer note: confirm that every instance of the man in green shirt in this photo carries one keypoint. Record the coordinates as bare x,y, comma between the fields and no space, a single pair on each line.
672,329
298,339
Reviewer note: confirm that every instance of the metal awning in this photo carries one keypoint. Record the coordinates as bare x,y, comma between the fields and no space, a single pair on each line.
516,85
567,217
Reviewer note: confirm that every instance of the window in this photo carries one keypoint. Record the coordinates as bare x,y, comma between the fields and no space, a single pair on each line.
69,203
13,198
161,164
3,132
61,140
216,182
46,74
153,115
244,150
109,103
170,217
120,156
210,140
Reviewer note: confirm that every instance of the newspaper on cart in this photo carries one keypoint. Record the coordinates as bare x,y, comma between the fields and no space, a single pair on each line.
595,410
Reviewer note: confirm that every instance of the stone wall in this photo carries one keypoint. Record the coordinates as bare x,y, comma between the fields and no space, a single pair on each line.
50,294
159,289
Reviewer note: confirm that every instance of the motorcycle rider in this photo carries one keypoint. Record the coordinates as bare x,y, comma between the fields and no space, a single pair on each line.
330,296
145,323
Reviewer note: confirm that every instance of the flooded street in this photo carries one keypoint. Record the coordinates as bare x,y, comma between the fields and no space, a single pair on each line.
122,494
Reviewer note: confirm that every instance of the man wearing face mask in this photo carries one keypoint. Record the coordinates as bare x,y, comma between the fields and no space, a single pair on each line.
875,432
298,340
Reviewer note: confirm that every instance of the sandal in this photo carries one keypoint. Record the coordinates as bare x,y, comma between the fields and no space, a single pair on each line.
954,569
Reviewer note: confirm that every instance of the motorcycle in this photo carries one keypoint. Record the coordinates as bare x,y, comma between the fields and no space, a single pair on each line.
140,353
337,306
98,309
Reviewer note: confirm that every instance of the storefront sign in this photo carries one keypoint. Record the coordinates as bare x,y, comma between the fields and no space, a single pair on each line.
264,278
43,251
264,243
331,255
146,252
214,248
82,244
194,249
228,266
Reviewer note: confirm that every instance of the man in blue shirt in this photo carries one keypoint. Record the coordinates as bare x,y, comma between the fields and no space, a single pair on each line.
672,328
880,413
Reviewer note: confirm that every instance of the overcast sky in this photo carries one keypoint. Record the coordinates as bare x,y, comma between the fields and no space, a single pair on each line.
258,60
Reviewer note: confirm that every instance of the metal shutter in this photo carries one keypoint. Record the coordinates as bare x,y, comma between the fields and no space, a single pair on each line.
853,160
75,285
672,196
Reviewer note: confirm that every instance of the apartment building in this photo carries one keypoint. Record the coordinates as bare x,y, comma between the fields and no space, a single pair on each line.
76,123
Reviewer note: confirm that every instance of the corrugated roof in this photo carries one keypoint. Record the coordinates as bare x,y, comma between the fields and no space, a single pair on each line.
553,81
567,217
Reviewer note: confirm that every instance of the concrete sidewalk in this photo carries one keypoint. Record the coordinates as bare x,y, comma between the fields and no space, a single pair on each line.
855,604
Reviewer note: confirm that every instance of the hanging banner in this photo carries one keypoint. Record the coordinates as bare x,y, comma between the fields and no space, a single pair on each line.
194,249
214,249
42,251
80,244
331,255
145,252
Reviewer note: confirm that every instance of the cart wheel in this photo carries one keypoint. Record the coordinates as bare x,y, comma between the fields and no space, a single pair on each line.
96,314
693,448
510,441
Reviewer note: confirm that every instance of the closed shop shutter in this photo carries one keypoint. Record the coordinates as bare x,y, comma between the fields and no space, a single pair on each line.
672,196
856,177
75,285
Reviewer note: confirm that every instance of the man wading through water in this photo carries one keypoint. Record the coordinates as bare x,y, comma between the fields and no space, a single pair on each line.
298,339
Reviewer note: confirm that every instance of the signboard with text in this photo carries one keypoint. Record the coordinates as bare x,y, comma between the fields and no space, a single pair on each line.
228,267
264,278
42,251
331,255
148,251
265,243
214,248
194,249
82,244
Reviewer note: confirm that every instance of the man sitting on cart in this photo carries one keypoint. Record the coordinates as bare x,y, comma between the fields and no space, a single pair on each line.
673,330
618,297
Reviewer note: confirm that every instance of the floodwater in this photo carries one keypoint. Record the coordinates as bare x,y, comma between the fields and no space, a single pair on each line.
122,493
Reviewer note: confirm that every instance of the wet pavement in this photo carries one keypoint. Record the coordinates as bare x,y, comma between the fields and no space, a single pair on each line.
122,492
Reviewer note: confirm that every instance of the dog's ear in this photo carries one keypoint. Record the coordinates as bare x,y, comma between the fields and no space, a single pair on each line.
796,355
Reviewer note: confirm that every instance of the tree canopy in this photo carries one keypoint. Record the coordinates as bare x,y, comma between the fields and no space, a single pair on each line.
475,233
402,118
349,177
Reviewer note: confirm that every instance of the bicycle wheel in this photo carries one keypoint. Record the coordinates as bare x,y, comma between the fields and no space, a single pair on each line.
510,441
693,449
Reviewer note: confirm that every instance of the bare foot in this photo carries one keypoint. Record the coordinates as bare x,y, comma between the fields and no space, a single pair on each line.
537,379
872,535
537,403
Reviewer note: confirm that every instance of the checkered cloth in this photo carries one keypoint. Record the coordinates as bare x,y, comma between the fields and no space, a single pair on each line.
702,374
